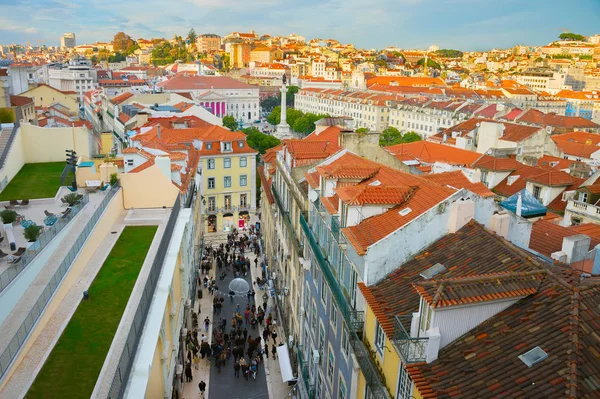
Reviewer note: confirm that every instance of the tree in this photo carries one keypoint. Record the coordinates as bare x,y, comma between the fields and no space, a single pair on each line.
118,57
390,136
306,123
191,36
571,36
122,42
270,102
362,130
262,142
430,63
230,123
163,54
275,115
410,137
291,115
289,96
250,130
449,53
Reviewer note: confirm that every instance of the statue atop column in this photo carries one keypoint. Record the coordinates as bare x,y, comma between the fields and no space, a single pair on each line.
283,129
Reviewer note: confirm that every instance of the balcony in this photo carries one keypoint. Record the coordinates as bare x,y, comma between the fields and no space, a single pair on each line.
584,209
411,349
353,319
305,386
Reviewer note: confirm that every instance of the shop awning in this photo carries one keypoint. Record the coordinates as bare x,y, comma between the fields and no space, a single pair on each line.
284,363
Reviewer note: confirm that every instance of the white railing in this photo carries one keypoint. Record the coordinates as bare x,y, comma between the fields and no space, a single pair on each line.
583,208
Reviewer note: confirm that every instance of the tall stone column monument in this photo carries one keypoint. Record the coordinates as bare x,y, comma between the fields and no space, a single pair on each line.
283,129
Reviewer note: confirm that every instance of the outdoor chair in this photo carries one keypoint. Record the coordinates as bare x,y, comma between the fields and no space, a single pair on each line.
65,213
47,213
71,189
64,201
3,255
25,202
10,208
16,256
14,202
104,187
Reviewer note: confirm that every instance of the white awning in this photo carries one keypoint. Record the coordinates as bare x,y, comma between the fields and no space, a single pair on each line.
284,363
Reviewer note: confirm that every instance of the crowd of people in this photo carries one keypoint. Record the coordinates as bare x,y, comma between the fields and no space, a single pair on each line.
235,341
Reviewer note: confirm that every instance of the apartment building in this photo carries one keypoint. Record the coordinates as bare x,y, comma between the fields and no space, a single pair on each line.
208,42
225,164
77,76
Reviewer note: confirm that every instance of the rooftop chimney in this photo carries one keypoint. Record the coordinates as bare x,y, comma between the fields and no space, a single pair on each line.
500,223
461,212
158,131
142,119
576,247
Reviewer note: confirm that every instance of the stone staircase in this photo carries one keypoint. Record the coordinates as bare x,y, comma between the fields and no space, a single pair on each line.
4,137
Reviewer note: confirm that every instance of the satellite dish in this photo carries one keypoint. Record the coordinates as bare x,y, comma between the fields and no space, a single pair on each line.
312,195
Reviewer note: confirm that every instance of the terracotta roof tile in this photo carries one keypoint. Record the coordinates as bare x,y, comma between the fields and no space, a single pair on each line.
364,194
490,163
458,180
265,185
552,178
547,237
431,152
121,98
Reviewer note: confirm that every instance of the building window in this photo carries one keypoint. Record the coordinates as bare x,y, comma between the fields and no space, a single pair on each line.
484,176
243,180
227,163
209,146
130,162
537,191
212,204
404,385
345,343
321,337
211,182
425,321
243,162
333,315
323,291
243,200
211,163
227,146
379,338
330,365
227,181
241,144
583,197
228,202
342,389
313,321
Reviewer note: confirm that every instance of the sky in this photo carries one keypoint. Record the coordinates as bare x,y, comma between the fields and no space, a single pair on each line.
471,25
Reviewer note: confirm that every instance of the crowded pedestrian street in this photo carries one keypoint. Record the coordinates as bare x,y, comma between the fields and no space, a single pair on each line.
234,355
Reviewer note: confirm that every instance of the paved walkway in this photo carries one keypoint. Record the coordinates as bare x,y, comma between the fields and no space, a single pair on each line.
268,382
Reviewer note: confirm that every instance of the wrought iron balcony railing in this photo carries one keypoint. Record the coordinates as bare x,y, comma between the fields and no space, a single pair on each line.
412,349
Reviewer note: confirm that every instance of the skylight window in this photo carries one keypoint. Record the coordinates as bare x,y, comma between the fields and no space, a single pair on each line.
533,357
375,183
405,211
433,270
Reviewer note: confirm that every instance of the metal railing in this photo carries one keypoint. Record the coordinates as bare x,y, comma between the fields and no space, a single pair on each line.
353,319
305,386
123,370
412,349
42,242
38,308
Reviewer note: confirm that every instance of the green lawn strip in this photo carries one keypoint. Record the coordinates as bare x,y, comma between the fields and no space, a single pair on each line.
73,367
34,180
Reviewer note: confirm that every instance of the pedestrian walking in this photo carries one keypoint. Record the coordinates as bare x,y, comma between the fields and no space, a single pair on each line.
274,352
202,387
267,350
274,336
206,323
236,370
188,372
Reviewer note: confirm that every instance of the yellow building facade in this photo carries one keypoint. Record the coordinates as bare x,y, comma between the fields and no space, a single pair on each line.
388,360
44,95
228,188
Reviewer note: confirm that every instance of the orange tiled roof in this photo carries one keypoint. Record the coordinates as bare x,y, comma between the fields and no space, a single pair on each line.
364,194
552,178
121,98
143,166
331,204
430,152
547,237
488,162
457,179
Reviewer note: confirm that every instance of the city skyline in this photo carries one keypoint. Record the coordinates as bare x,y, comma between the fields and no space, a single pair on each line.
470,25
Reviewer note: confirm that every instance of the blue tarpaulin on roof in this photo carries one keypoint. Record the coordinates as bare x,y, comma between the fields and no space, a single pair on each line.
530,206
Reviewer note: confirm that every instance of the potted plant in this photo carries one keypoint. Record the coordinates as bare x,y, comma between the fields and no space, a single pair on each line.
113,179
32,233
71,199
8,218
